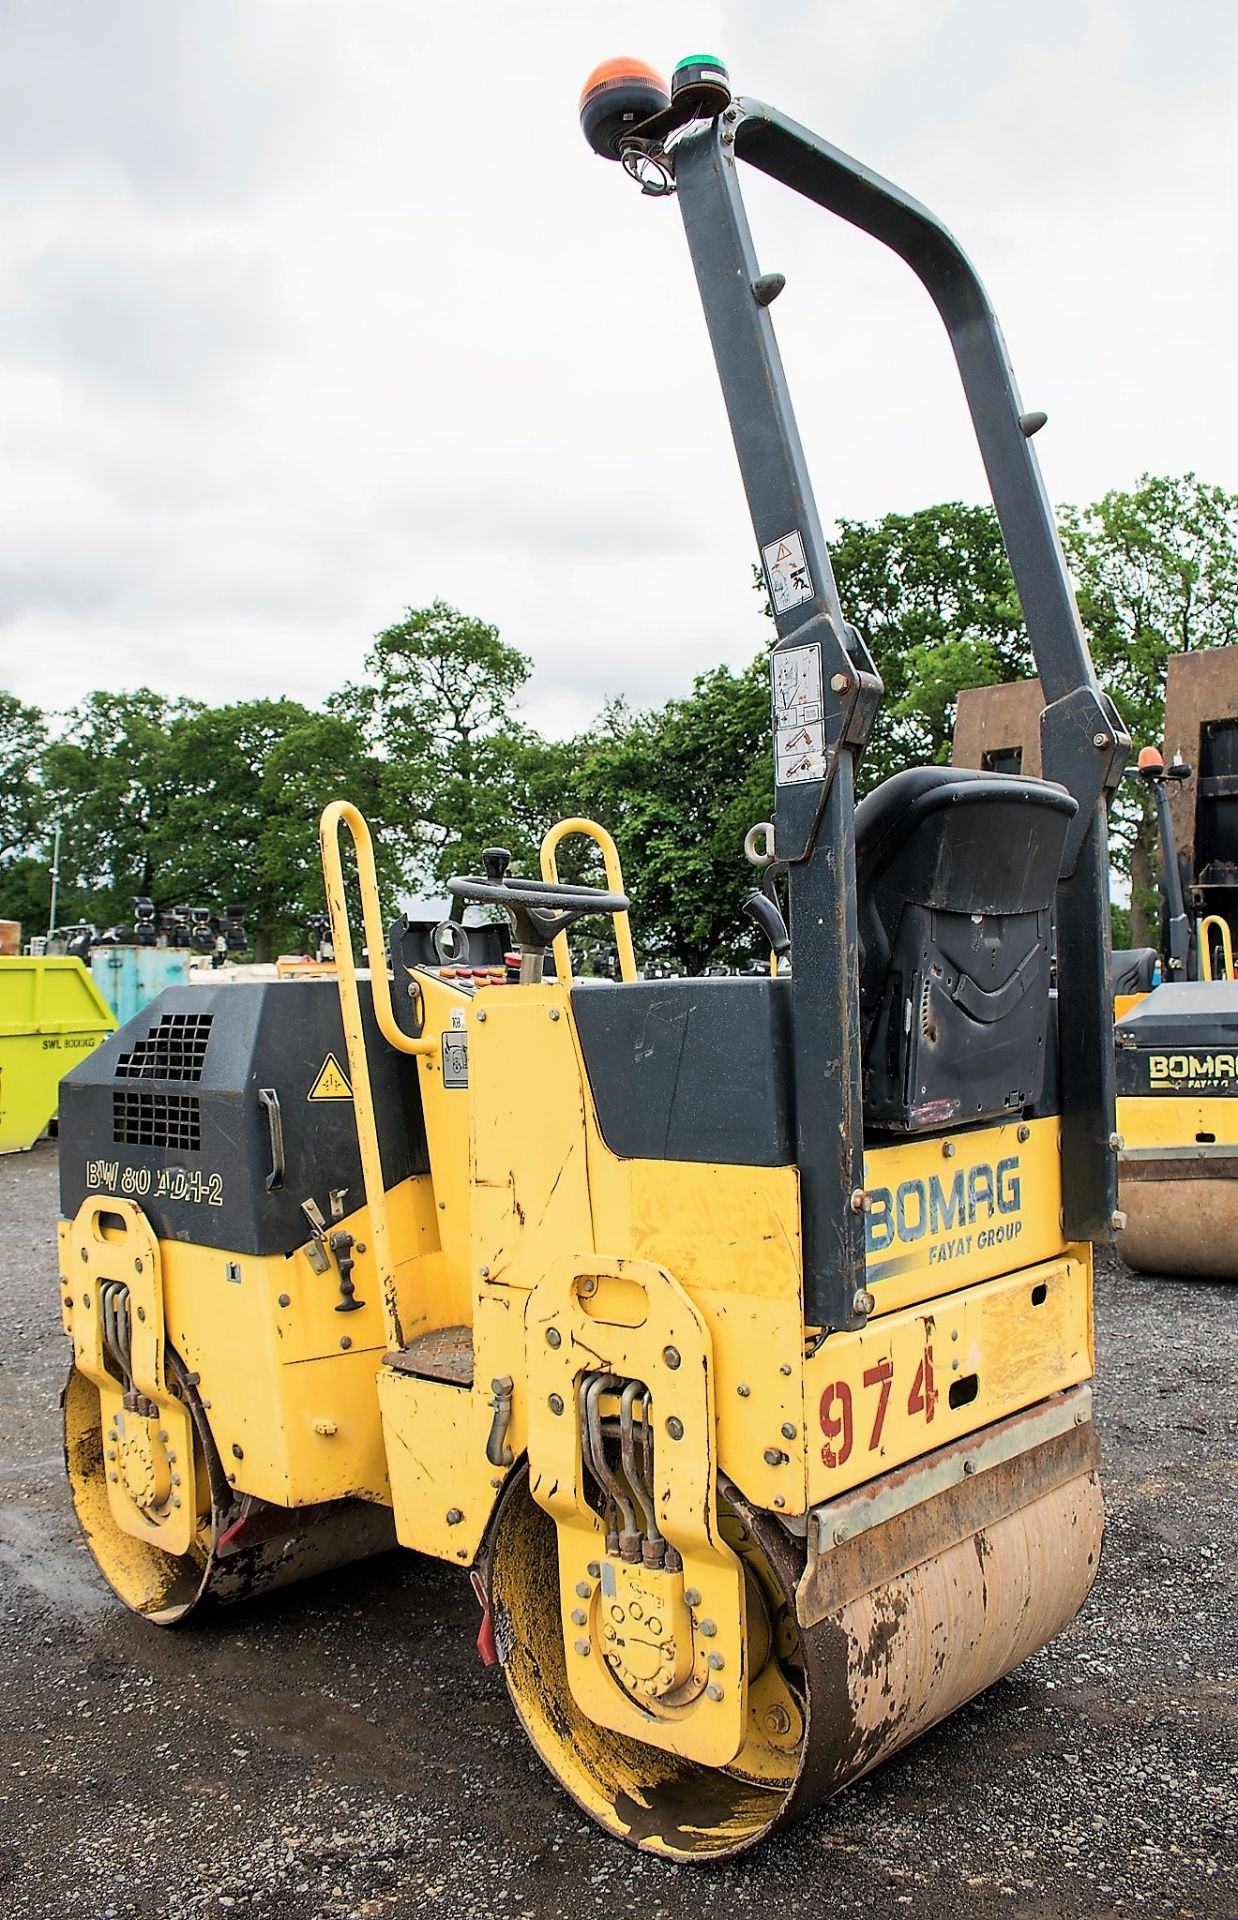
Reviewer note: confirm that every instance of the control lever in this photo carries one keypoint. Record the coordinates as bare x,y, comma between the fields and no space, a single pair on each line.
769,918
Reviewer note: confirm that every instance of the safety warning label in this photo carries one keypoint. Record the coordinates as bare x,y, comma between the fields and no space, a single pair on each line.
786,569
330,1083
799,716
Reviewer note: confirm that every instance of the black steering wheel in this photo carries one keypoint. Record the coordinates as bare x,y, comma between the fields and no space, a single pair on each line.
539,909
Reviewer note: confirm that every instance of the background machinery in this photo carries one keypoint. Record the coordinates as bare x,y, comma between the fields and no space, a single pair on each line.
1176,1004
733,1332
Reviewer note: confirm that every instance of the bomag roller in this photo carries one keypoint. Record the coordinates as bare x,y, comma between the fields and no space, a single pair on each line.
1177,1047
733,1332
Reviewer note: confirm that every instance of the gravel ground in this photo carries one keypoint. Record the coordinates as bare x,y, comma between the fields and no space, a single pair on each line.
338,1750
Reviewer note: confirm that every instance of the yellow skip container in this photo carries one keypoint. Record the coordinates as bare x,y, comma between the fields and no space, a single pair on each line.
51,1016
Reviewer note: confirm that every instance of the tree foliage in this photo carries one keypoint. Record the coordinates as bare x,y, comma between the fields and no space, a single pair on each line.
206,805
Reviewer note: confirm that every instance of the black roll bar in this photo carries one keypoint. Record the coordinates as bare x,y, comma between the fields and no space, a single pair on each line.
821,668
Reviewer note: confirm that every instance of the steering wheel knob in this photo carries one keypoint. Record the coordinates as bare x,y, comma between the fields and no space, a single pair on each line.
496,861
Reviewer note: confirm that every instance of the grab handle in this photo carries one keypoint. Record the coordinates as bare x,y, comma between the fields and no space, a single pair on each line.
614,880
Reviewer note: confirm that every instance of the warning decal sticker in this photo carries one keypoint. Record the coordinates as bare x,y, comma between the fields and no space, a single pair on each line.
330,1083
799,716
786,569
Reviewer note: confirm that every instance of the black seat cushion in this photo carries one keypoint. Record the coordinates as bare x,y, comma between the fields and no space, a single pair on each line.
956,873
1131,969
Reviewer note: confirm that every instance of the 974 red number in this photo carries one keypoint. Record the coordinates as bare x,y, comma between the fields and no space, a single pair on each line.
837,1412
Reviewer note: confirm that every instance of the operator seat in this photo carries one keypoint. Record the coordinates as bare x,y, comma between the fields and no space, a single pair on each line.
956,873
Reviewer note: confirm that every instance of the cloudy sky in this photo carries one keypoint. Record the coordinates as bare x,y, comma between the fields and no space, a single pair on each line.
314,309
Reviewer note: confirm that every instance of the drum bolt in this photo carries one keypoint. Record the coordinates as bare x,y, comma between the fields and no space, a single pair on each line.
68,1299
692,1597
579,1617
583,1589
948,1149
176,1479
777,1720
555,1403
786,1369
554,1013
774,1457
713,1691
113,1478
137,1266
85,1255
954,1333
674,1427
1025,1132
717,1661
671,1357
743,1390
1117,1220
553,1337
707,1628
863,1303
582,1647
85,1299
111,1453
788,1429
176,1499
1116,1142
141,1313
593,1570
285,1299
954,1366
454,1516
481,1013
171,1454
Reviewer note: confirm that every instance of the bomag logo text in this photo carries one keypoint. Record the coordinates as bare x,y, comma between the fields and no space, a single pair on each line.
1192,1069
965,1209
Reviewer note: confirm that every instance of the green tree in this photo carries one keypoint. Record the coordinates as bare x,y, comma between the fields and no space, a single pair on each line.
110,779
933,596
1156,573
679,788
25,882
440,687
250,782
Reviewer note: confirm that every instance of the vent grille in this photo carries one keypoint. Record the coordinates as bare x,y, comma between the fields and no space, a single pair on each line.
157,1120
173,1050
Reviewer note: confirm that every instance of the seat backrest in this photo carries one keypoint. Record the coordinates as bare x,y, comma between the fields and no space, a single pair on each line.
956,873
1131,969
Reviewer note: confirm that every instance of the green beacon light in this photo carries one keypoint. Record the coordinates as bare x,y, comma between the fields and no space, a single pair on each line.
701,85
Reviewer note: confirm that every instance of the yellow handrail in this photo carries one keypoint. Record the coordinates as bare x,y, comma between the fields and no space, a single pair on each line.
614,880
342,812
1205,950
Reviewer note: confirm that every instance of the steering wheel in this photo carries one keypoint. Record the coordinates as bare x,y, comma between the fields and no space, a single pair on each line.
539,909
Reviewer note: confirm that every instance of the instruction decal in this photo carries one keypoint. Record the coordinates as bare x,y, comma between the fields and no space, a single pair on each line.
455,1055
786,569
330,1083
799,716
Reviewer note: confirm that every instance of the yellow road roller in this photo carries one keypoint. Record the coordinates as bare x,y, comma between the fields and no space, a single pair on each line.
1177,1047
732,1333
